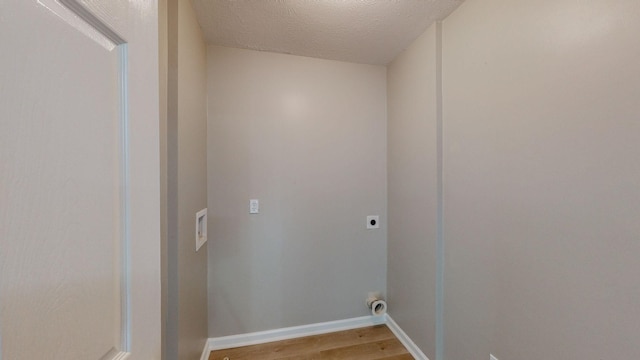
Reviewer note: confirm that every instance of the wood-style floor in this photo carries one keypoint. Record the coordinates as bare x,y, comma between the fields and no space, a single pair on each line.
371,343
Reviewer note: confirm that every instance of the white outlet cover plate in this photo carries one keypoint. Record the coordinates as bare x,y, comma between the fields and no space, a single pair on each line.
201,228
373,222
254,206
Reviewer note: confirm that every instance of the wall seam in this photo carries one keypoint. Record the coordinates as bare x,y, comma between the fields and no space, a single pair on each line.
440,201
173,300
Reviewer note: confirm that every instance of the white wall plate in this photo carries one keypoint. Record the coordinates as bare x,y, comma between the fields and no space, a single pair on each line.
201,228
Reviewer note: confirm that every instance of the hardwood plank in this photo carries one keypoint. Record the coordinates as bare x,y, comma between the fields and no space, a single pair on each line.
311,347
366,351
399,357
318,356
312,356
300,346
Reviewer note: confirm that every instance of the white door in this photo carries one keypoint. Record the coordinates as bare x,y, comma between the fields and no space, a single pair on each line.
79,180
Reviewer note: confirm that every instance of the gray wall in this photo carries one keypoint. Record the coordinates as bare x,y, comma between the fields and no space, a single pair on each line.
186,305
412,163
541,177
541,164
306,137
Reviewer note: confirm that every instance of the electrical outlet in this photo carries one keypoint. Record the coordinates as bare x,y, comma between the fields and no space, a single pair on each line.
373,222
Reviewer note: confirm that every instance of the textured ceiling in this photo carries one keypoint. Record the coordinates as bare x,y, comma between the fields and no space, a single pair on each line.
361,31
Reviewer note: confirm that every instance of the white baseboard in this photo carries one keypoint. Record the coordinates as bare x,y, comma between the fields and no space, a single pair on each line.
405,340
122,356
205,352
114,354
262,337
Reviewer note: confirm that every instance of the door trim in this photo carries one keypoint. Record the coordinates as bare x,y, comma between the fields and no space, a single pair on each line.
121,46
